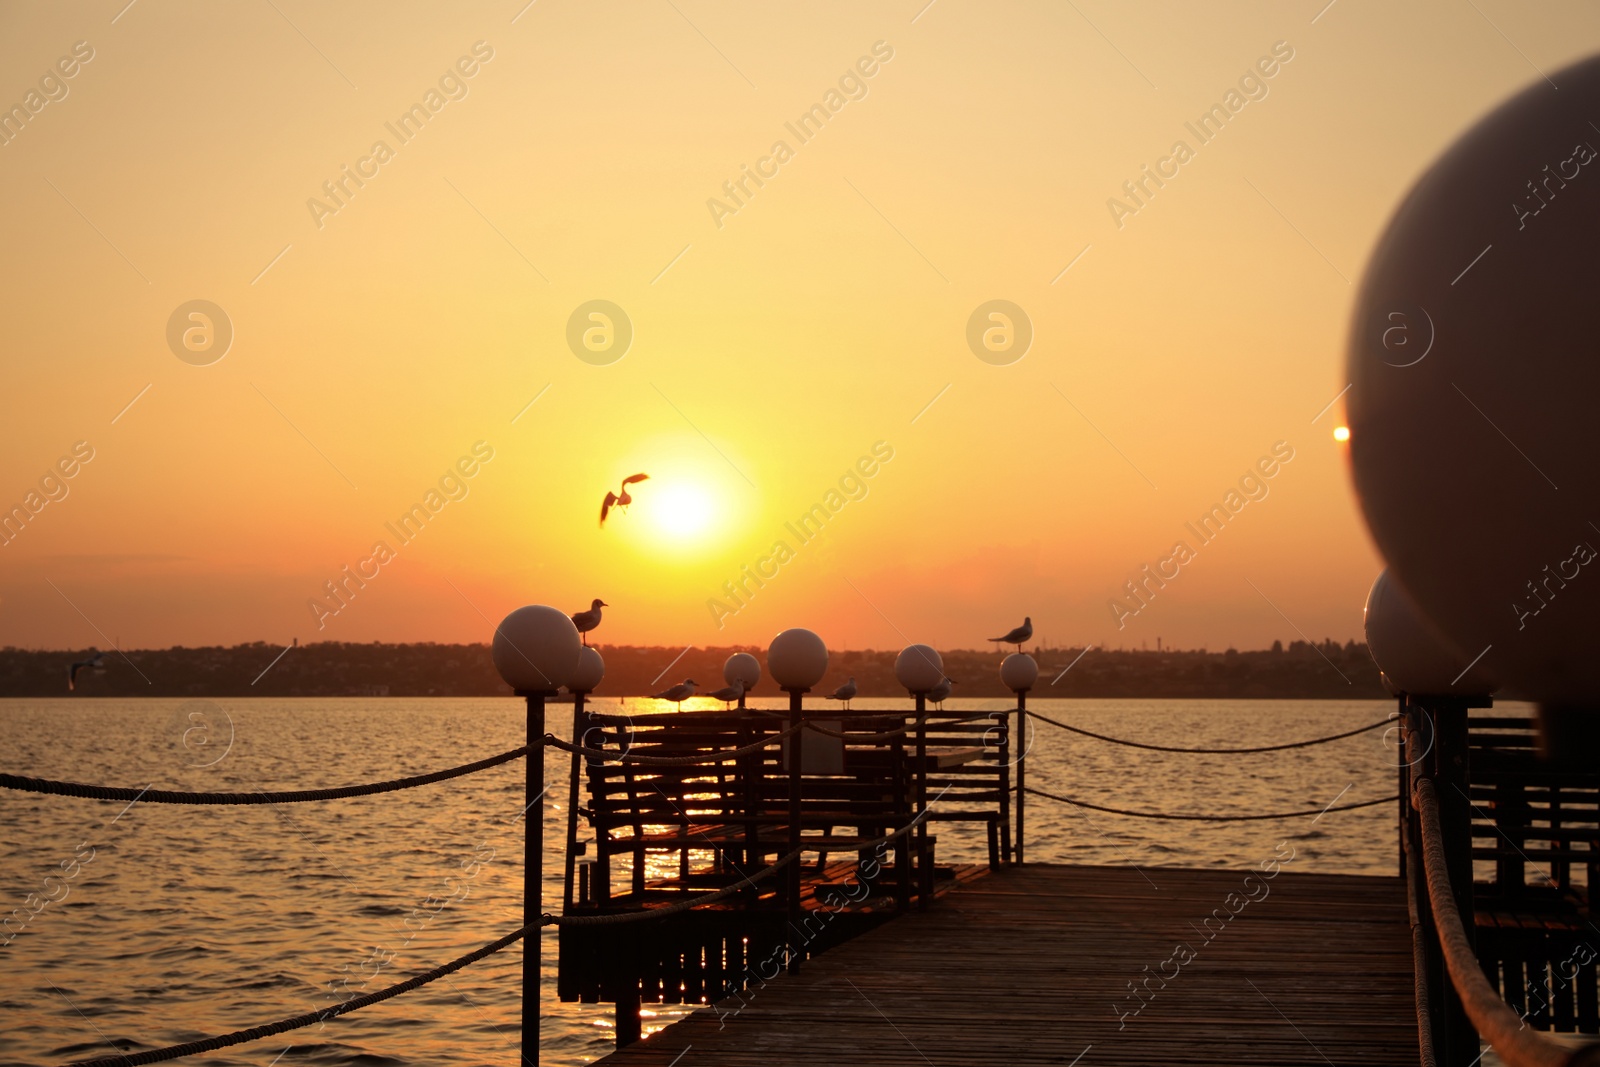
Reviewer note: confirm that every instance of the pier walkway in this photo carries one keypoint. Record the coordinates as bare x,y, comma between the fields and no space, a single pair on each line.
1033,965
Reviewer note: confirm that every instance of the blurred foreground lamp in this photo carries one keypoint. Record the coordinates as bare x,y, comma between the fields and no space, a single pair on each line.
919,668
586,676
797,659
1471,404
1018,672
536,649
1413,656
744,668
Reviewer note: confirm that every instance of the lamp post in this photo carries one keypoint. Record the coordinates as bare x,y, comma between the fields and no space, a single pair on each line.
590,671
536,651
797,660
1018,672
919,668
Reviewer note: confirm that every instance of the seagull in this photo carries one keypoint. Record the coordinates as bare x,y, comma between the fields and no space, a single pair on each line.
620,500
727,694
1017,636
93,663
846,693
678,693
939,692
588,620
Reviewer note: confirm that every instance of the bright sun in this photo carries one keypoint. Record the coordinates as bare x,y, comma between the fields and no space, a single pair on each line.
680,511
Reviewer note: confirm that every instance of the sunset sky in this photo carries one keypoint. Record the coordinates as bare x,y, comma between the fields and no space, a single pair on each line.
778,338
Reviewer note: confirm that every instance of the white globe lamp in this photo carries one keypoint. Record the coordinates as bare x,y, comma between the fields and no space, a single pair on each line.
591,668
743,668
797,660
1413,657
919,668
536,649
1018,672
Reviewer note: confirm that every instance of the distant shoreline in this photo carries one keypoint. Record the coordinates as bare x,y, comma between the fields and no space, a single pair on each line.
1301,671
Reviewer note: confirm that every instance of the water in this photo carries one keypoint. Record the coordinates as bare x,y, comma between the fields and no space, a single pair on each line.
172,923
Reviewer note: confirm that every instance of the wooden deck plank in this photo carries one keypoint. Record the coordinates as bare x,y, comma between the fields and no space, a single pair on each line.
1024,966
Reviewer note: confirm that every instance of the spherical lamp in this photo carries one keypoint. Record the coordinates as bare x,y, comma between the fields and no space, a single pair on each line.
1411,654
742,667
1473,377
536,649
1018,672
590,670
797,659
919,668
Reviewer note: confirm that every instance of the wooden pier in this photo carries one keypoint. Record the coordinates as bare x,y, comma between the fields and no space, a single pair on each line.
1031,965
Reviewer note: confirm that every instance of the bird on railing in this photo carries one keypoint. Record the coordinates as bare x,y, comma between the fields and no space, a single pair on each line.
1018,636
678,693
846,693
588,620
728,694
939,693
622,499
95,663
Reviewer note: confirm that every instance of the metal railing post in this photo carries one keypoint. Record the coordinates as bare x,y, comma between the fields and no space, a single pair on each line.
796,744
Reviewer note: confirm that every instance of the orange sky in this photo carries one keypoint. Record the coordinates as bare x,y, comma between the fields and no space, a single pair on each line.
776,339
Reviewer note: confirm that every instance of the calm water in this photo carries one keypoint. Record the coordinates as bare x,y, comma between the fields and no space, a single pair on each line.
181,922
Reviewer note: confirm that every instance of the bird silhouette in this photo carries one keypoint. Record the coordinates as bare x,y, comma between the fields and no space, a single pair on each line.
846,693
940,692
588,620
622,499
94,663
728,693
1017,636
678,693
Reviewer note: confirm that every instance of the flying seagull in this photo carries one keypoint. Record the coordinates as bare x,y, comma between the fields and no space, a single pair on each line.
588,620
678,693
620,500
94,663
940,692
1018,636
727,694
846,693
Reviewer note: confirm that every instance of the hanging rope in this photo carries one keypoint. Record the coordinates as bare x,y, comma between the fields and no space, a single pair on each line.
1209,818
293,796
1208,751
255,1033
1517,1044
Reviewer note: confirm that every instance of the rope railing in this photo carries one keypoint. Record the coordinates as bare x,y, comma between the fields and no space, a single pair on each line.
1209,818
295,1022
1517,1044
292,796
1208,751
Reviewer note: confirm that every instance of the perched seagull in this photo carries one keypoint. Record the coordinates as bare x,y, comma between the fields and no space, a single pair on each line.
846,693
678,693
1018,636
93,663
728,694
622,499
588,620
940,692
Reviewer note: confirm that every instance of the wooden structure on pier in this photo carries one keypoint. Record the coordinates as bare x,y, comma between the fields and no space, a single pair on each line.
656,834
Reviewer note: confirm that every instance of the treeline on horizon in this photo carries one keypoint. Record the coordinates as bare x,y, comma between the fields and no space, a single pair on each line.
1301,670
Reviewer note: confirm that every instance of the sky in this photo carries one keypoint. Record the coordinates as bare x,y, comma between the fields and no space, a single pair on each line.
825,340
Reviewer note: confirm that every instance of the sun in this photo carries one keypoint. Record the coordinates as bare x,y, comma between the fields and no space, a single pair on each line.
681,510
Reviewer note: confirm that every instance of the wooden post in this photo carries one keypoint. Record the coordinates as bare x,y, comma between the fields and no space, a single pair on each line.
579,729
1452,783
924,867
1022,771
792,875
532,876
1004,719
